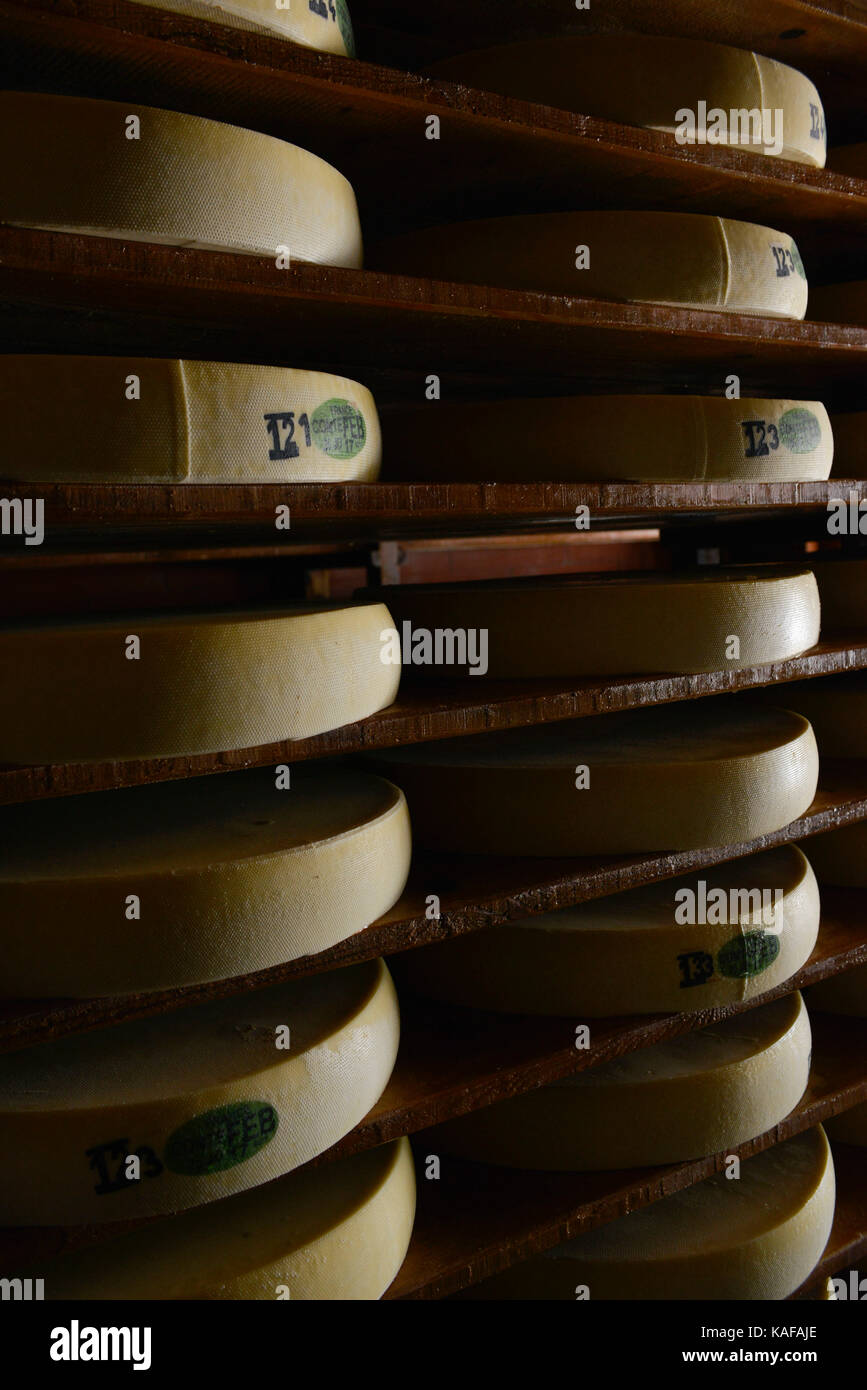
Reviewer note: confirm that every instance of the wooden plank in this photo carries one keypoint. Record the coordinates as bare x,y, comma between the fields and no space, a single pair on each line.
847,1247
478,1220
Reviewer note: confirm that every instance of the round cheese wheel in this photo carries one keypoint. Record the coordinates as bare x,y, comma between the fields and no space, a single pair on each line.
850,1127
843,592
183,882
151,420
201,682
609,439
840,856
658,83
720,937
206,1101
845,993
608,624
699,1094
836,707
321,24
117,169
675,777
336,1231
755,1237
687,260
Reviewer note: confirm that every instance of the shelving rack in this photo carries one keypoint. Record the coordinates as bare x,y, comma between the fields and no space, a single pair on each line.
91,294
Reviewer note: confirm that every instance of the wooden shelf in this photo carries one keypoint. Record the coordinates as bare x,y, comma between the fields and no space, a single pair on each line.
848,1243
478,1220
426,712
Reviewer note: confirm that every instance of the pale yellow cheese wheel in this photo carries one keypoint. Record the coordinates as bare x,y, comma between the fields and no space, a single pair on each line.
837,709
185,421
842,591
320,24
698,1094
202,682
69,166
648,81
675,777
335,1232
184,882
608,439
213,1099
687,260
850,1127
845,993
638,952
610,624
840,856
755,1237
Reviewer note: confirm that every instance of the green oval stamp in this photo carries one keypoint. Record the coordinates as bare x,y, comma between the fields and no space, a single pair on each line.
798,263
344,23
338,429
800,431
748,955
221,1138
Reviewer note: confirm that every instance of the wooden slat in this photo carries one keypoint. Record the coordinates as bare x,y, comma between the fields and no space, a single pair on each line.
847,1246
478,1220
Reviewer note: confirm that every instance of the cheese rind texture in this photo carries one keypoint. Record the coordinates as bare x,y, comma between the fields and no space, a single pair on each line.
684,1098
755,1238
187,421
845,993
675,777
609,439
837,709
685,260
617,625
840,856
653,82
72,164
337,1231
629,954
229,875
213,1099
202,682
317,24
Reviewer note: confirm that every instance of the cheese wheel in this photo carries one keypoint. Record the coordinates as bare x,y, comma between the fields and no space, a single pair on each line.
659,83
609,439
850,1127
213,1099
843,303
840,856
682,259
755,1237
228,875
606,624
699,1094
202,682
842,592
829,1293
845,993
72,164
187,421
321,24
850,433
837,709
650,950
675,777
337,1231
849,159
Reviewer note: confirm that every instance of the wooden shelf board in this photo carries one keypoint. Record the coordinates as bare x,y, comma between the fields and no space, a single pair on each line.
848,1243
478,1220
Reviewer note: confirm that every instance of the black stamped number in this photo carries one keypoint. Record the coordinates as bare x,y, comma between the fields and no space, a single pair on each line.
280,425
760,438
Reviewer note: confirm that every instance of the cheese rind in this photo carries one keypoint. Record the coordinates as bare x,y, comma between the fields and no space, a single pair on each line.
337,1231
614,625
72,164
674,777
229,875
202,682
609,438
701,1093
320,25
628,953
685,260
836,707
652,82
213,1099
755,1238
188,421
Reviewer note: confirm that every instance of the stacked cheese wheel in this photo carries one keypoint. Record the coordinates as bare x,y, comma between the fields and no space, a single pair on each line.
321,24
174,684
703,93
114,169
675,777
681,259
610,438
149,420
757,1237
611,624
720,937
699,1094
160,1114
183,882
837,709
